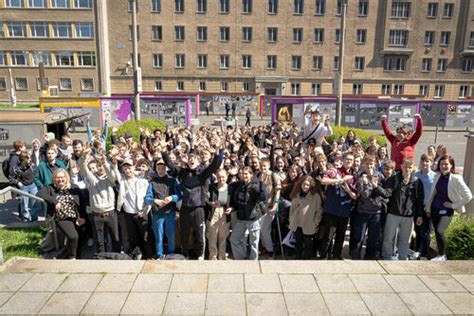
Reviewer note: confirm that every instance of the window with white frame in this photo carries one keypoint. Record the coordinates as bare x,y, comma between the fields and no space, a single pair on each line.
471,39
271,61
202,86
224,86
38,83
3,84
40,4
315,88
398,38
439,91
60,4
361,36
444,39
463,91
84,30
448,10
201,33
65,59
62,30
201,6
139,58
398,89
180,85
339,7
19,58
395,63
157,60
359,63
246,34
202,61
2,34
296,62
41,57
247,6
432,9
180,60
337,36
318,35
442,65
317,62
130,31
357,88
65,84
272,6
426,64
467,64
179,7
87,84
158,85
363,8
386,89
179,33
15,3
297,35
17,29
295,88
245,86
21,84
155,5
3,58
335,63
224,6
224,33
224,61
429,37
272,34
401,9
298,6
424,90
86,59
320,7
246,61
39,29
83,4
156,32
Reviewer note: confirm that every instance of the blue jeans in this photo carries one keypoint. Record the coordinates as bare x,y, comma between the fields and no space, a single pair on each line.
360,223
28,207
239,242
164,224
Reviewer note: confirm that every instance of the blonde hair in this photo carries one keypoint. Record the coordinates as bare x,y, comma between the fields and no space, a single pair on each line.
66,174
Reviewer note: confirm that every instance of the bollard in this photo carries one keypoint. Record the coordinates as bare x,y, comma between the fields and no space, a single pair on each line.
436,134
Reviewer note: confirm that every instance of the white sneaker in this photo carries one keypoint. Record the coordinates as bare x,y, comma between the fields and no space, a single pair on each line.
440,258
201,258
415,256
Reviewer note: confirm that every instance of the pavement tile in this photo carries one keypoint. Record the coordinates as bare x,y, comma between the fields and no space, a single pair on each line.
458,303
81,282
467,280
116,283
44,282
306,304
229,283
262,283
385,303
76,266
335,283
298,283
25,303
345,303
195,266
442,283
427,267
185,304
406,283
65,303
424,303
371,283
225,304
4,296
13,281
321,266
105,303
144,303
152,283
189,283
266,303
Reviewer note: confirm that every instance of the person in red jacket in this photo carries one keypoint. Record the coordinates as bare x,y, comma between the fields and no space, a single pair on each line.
403,144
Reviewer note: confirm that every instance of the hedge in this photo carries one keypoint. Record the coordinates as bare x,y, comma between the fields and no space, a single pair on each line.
361,134
133,127
460,238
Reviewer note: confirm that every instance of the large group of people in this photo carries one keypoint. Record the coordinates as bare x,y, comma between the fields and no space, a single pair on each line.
242,192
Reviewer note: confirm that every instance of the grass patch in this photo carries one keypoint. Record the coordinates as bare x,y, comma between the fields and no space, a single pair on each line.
22,242
20,106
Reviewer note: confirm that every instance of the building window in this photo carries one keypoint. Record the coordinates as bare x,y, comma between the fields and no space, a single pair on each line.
224,86
84,30
86,59
155,6
202,61
359,63
224,61
3,84
87,84
224,33
130,31
318,35
3,58
62,30
297,35
246,61
19,58
272,6
463,91
246,34
157,60
429,37
83,4
271,61
201,6
401,9
17,29
65,84
245,86
202,33
272,34
320,7
180,85
179,33
178,5
398,38
38,83
448,10
363,8
337,36
432,9
41,57
21,84
386,89
361,36
39,29
139,59
158,85
315,88
395,64
439,91
295,89
471,40
335,63
317,62
180,60
224,6
202,86
424,90
37,4
357,88
442,65
60,4
296,62
247,6
398,89
298,6
426,65
467,64
444,40
156,32
339,7
15,3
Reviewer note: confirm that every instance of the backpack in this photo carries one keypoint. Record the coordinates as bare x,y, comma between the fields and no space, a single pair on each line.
6,167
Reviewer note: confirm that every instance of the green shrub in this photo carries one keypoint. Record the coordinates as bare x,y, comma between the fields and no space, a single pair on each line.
133,127
460,238
361,134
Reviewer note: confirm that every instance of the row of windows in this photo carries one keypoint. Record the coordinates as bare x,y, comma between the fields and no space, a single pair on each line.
403,10
64,84
51,59
51,4
47,30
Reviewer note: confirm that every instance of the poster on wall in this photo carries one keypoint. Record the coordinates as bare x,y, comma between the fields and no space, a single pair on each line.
433,114
219,102
460,115
401,114
117,110
285,114
172,112
326,110
69,111
369,115
350,114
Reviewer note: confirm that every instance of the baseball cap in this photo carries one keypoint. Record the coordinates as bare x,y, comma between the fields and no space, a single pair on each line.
128,161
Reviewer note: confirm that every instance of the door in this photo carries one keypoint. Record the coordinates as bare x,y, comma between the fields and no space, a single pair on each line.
270,91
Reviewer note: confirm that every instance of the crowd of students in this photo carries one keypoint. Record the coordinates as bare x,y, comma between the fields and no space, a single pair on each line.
230,191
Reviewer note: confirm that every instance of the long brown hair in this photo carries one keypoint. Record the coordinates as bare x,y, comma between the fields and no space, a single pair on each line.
451,161
313,187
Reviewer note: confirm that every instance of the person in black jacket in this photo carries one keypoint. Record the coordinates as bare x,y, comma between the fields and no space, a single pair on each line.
193,182
406,202
22,177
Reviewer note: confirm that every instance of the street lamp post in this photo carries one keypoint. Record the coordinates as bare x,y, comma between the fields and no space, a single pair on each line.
341,64
137,73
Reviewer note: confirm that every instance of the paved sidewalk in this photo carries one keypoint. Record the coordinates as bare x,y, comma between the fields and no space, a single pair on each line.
236,287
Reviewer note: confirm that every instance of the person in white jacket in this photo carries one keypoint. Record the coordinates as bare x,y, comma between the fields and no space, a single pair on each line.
449,193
